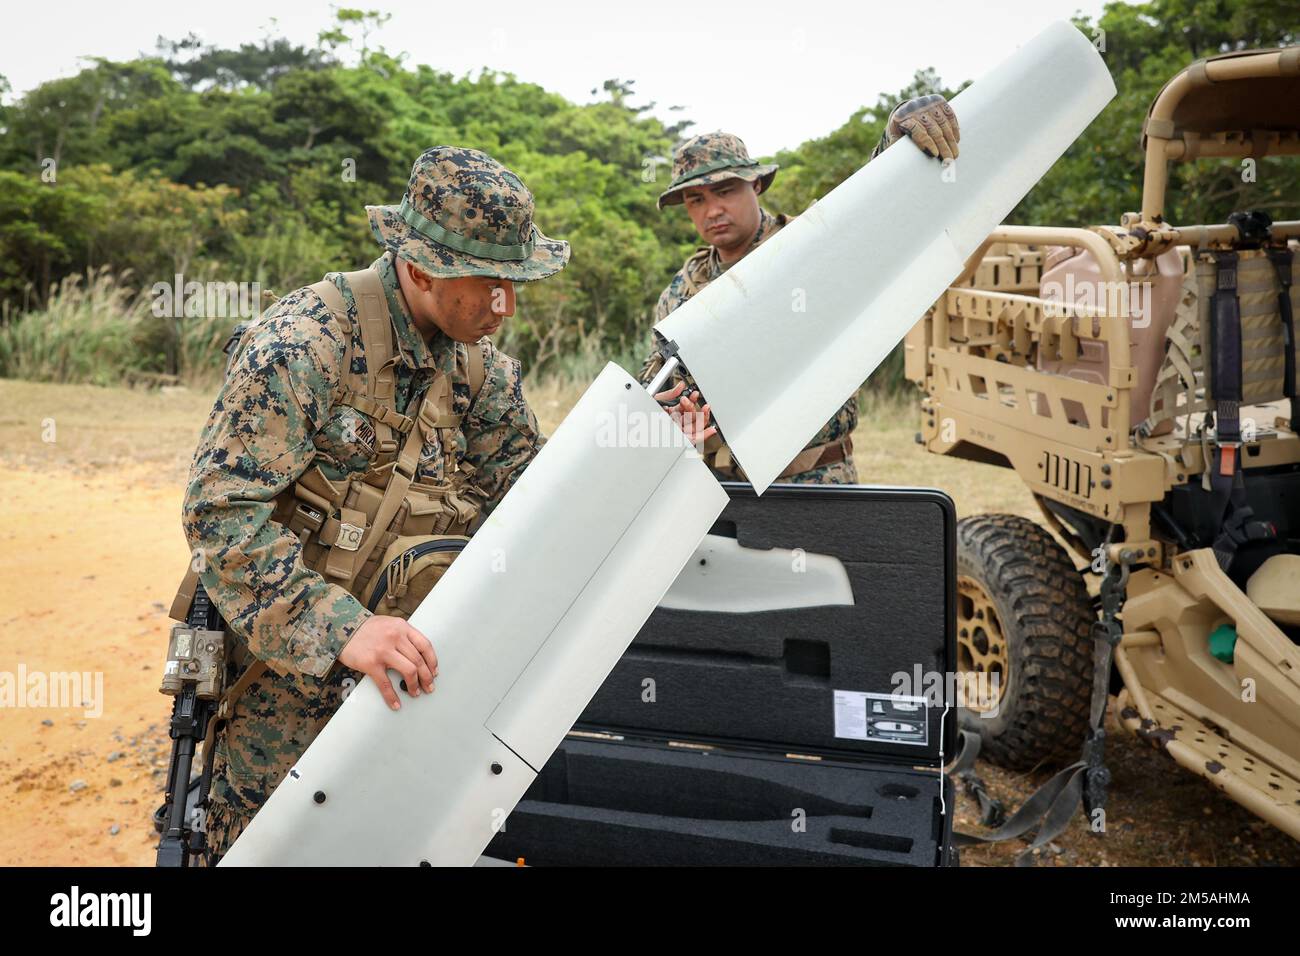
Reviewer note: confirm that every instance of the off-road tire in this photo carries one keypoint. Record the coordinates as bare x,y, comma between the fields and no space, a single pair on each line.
1046,621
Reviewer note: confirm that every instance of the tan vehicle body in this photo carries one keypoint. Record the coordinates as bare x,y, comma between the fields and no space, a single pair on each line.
1081,396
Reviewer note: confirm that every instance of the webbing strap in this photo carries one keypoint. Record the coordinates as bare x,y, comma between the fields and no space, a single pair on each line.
477,372
968,748
374,392
992,813
1225,343
1050,808
1240,527
228,700
399,483
377,333
329,293
251,673
1229,504
395,420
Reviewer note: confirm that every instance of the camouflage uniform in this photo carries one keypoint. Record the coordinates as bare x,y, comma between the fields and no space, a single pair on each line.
702,161
277,415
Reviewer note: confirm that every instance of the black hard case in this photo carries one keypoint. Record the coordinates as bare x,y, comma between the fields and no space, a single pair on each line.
736,760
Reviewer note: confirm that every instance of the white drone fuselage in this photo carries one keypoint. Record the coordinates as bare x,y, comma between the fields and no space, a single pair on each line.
534,613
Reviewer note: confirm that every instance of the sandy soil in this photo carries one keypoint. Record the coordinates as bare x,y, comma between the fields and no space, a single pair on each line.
92,551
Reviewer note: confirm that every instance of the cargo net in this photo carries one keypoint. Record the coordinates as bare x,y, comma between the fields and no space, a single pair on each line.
1182,386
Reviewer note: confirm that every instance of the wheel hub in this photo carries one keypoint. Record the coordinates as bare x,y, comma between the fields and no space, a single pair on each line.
981,647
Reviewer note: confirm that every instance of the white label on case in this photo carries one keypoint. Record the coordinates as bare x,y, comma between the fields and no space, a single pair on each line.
851,714
890,718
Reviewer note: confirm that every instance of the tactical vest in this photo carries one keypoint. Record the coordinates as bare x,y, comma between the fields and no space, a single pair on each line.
383,535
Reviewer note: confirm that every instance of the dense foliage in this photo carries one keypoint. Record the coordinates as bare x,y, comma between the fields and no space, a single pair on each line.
255,164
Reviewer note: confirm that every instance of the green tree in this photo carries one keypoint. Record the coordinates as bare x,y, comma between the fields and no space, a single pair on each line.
1100,176
256,164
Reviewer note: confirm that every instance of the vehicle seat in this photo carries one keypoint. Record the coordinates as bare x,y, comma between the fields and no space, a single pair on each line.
1156,286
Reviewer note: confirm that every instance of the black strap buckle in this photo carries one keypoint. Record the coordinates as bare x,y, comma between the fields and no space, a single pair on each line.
667,349
1252,225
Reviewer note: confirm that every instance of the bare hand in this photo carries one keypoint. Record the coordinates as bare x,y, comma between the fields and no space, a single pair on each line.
691,417
930,123
389,642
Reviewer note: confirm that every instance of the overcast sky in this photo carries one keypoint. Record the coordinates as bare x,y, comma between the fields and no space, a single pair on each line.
774,73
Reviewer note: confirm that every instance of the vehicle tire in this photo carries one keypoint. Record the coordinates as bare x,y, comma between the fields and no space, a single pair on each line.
1023,611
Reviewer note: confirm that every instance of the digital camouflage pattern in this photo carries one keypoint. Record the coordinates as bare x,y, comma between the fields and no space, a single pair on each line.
275,416
710,158
701,269
464,214
705,265
714,157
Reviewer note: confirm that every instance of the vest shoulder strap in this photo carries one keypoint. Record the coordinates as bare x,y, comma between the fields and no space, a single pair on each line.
329,293
376,331
477,372
374,392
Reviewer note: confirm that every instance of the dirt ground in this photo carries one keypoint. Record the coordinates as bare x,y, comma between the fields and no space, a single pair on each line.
90,497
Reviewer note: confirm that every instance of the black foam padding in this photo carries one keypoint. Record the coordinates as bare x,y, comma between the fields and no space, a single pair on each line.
621,803
766,679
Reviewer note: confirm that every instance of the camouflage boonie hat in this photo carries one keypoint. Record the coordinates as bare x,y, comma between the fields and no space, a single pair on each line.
464,214
710,158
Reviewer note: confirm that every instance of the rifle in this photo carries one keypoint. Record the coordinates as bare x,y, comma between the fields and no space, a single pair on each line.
193,676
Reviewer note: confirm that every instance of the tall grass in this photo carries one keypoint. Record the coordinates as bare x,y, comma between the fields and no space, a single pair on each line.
96,329
199,343
89,332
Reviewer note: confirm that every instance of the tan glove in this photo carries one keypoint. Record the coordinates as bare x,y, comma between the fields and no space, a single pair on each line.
930,123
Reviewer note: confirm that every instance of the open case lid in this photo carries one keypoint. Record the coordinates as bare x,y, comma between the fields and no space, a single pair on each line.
803,625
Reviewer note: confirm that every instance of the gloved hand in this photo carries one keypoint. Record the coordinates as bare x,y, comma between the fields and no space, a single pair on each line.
930,123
